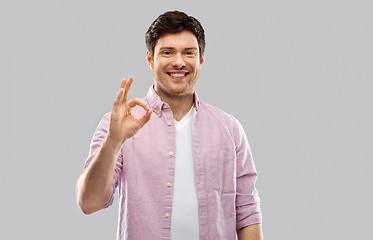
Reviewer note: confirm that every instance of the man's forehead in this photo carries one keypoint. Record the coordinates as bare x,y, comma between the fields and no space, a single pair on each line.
171,48
185,40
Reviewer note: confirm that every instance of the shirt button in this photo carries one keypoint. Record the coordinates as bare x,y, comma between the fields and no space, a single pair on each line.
166,215
169,123
158,112
171,153
165,106
168,184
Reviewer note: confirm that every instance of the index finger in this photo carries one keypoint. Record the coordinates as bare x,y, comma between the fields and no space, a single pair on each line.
138,101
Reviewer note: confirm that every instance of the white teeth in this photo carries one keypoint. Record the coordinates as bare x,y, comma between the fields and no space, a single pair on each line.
177,74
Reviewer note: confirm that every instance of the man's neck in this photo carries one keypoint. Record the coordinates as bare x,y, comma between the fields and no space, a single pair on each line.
180,105
180,108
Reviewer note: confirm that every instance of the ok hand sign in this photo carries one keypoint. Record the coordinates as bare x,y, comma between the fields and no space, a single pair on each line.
122,124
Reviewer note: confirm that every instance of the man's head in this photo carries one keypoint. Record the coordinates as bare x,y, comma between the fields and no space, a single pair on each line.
174,22
176,44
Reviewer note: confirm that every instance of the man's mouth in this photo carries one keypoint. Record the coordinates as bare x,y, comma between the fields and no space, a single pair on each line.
177,74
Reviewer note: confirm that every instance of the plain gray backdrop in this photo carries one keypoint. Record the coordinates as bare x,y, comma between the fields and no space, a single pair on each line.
297,74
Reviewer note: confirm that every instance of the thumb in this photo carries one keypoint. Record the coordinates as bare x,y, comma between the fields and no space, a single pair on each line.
146,117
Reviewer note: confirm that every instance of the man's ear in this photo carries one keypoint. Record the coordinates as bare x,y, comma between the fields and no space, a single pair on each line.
149,59
202,59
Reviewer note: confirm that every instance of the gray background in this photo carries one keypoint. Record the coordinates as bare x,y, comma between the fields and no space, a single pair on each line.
297,74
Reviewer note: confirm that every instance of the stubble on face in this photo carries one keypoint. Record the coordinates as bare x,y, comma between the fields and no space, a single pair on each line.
176,90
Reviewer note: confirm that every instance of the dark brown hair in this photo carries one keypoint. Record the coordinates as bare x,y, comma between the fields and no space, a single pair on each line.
174,22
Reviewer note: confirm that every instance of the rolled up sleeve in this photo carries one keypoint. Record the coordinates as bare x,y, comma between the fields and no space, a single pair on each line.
247,199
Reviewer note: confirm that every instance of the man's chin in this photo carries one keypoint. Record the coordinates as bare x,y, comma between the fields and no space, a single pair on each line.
176,89
178,92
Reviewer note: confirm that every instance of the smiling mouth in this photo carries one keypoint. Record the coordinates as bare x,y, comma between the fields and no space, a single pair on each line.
177,74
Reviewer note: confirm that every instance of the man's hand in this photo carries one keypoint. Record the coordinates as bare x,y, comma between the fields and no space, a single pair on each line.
122,124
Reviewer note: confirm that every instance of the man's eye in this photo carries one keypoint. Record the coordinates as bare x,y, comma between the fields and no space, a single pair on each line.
167,53
190,53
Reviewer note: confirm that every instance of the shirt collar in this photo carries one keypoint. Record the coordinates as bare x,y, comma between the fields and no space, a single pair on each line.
155,102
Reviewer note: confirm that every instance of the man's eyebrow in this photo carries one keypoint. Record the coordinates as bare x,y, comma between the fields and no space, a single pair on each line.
191,48
166,48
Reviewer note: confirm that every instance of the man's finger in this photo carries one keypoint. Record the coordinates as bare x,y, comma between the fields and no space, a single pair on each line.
144,119
118,99
123,83
138,101
127,88
122,86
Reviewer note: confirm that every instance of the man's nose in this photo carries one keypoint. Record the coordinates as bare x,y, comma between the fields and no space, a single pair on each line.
178,61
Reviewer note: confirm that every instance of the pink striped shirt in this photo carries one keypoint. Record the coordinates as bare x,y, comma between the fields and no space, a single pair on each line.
224,173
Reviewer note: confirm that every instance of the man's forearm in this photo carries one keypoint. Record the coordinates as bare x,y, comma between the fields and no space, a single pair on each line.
251,232
95,184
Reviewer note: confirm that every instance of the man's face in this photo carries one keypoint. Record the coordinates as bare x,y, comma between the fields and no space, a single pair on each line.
176,64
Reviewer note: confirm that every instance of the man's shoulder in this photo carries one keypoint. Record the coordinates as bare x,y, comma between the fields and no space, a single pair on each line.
212,109
218,113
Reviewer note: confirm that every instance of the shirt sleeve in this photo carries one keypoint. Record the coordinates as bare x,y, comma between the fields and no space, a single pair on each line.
247,200
98,138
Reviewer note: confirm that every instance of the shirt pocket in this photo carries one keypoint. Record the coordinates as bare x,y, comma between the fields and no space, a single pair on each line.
223,170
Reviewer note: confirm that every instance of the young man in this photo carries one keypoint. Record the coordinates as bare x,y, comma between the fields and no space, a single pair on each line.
183,168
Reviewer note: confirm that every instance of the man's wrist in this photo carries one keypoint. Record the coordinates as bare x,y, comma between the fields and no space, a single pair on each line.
113,144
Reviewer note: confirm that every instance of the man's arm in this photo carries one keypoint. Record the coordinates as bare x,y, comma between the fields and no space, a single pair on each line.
95,184
248,213
251,232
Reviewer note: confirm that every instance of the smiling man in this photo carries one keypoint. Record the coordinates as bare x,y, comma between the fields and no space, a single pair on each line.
183,168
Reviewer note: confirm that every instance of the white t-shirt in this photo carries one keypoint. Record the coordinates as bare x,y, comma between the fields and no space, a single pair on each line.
184,221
